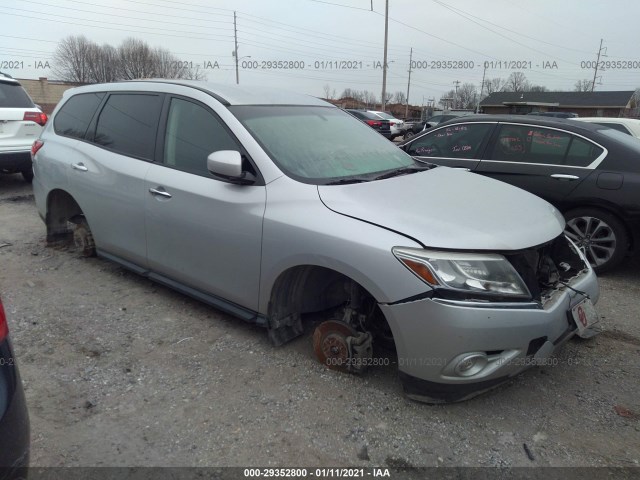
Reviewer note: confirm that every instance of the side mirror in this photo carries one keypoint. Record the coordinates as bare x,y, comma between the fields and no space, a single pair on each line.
227,165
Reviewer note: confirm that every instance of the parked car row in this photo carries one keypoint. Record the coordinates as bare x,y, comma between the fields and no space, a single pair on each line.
380,121
327,216
382,126
588,171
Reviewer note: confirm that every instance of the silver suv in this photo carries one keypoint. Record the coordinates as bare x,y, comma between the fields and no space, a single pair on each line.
21,122
270,206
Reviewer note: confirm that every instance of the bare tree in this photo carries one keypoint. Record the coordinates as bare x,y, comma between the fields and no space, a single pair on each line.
137,60
467,96
347,92
400,97
517,82
333,94
327,90
370,98
71,59
494,85
104,63
583,85
196,73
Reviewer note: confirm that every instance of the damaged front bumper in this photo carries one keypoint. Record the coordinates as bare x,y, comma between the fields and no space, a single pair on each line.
450,350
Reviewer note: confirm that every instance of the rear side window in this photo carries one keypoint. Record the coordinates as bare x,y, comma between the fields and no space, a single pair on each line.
527,144
12,95
456,141
128,123
73,118
192,134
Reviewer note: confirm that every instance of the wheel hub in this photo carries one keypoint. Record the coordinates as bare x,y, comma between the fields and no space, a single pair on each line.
330,344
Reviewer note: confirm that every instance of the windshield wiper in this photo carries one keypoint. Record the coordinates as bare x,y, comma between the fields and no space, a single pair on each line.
404,171
345,181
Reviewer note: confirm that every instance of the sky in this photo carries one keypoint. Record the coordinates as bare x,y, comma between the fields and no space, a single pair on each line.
305,45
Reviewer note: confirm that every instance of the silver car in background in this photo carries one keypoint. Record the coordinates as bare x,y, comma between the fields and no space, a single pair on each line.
270,206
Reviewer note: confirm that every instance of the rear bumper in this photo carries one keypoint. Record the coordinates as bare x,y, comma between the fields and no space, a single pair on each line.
17,161
434,337
14,418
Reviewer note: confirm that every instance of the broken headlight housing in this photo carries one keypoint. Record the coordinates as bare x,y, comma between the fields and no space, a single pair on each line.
468,274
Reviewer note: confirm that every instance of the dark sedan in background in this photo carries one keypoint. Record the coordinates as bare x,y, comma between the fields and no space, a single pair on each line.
380,125
14,420
589,172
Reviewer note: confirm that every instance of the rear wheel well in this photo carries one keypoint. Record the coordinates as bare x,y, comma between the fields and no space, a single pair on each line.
61,208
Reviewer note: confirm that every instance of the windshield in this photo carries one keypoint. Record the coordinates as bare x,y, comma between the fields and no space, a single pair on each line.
320,144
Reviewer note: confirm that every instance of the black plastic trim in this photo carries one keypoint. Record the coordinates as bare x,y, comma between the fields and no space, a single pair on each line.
432,392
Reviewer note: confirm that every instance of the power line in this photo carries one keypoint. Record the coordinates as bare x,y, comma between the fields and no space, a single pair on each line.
456,10
341,5
127,16
323,36
497,33
154,32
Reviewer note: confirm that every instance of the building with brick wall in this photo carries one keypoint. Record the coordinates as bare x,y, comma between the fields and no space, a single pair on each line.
46,93
585,104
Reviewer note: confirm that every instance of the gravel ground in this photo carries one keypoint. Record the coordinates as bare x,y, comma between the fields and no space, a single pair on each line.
119,371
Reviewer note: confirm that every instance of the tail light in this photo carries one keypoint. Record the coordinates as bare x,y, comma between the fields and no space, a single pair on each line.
391,123
39,117
373,123
37,145
4,330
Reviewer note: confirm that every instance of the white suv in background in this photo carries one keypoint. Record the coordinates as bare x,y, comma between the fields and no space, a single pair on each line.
21,122
397,125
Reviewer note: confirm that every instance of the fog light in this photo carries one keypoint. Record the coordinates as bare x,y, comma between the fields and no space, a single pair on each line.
471,364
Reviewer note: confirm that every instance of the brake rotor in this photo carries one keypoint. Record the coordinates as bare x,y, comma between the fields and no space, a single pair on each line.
330,344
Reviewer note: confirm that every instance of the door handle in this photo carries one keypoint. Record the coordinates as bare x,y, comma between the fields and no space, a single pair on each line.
157,191
463,168
79,166
564,176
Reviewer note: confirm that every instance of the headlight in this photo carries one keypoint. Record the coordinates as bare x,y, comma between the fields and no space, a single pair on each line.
471,273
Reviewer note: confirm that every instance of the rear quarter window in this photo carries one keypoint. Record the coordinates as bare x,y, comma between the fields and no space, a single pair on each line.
73,118
532,144
12,95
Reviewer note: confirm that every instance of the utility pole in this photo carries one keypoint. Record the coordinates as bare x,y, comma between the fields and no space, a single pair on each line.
595,73
235,52
455,97
406,110
384,64
481,88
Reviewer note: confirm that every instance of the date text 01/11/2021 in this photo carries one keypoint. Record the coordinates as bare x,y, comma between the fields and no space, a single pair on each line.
316,473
